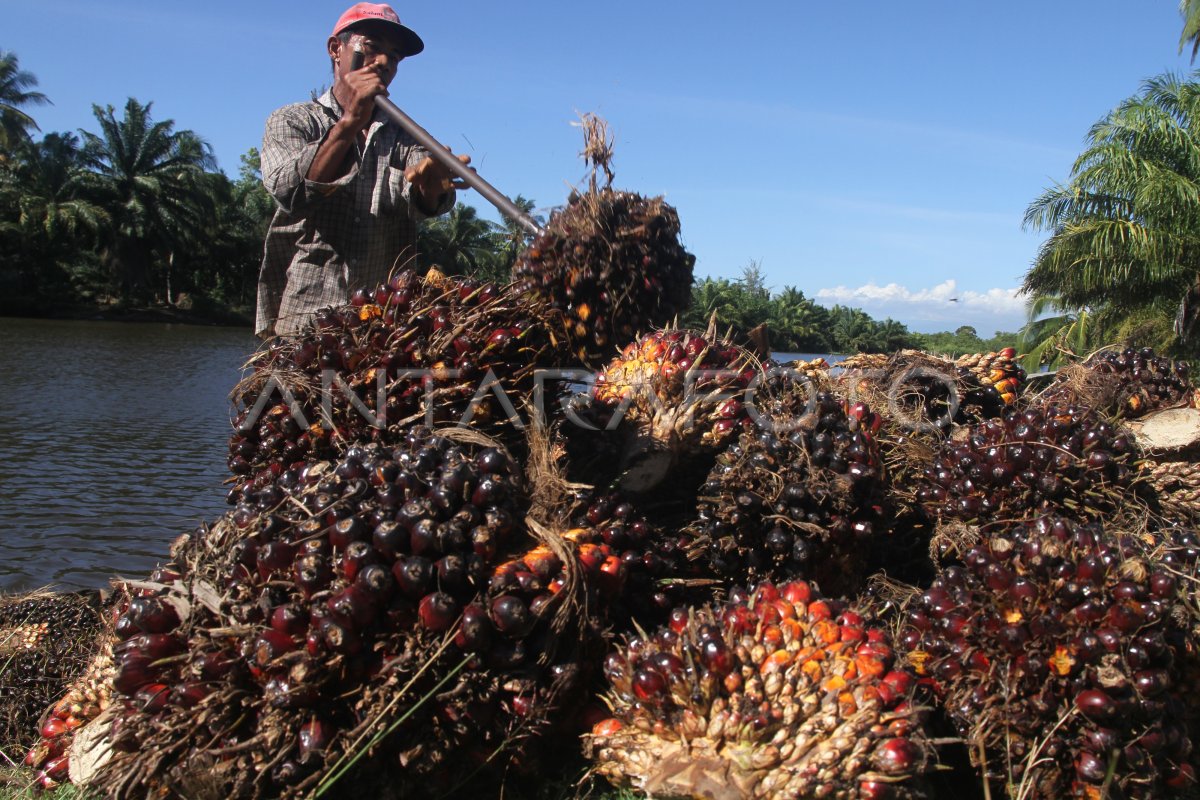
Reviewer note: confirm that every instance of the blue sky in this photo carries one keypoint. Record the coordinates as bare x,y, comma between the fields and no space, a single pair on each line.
879,155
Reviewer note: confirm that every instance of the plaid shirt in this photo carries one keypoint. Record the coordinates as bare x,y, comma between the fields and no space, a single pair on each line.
328,239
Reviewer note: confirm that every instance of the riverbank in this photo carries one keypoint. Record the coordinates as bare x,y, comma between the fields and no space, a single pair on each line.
198,313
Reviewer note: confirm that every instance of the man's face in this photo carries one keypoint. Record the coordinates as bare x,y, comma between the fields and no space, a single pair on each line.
381,51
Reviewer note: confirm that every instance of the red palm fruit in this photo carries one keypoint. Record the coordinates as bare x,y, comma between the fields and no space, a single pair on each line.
353,606
53,727
312,573
511,616
475,631
345,531
438,611
56,769
190,693
357,555
339,637
270,645
376,582
313,738
134,671
274,556
152,615
154,646
290,620
414,575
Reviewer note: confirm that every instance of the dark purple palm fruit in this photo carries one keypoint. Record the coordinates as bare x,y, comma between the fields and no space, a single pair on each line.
420,349
798,495
778,693
1063,652
610,262
664,407
1127,383
1051,458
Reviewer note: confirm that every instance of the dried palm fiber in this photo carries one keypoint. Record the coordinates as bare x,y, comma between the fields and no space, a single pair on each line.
421,349
798,495
610,262
1064,459
1065,654
661,410
776,694
1123,383
47,640
1176,488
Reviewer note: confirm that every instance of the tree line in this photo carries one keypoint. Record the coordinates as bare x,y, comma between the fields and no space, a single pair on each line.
135,212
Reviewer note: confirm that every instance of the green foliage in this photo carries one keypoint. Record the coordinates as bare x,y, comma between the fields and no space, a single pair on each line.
461,243
1129,218
15,123
1190,10
796,324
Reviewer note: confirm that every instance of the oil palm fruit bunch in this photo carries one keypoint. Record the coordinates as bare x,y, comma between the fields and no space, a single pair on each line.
999,376
1063,654
776,694
47,641
639,566
261,664
610,262
926,395
1060,458
425,349
667,402
796,496
86,698
1128,383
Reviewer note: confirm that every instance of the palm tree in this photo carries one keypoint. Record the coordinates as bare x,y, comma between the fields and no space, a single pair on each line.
1126,227
1054,334
708,296
515,237
15,124
1190,10
459,243
153,180
797,323
49,222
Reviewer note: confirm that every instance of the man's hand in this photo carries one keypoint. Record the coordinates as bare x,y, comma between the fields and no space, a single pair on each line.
431,179
356,91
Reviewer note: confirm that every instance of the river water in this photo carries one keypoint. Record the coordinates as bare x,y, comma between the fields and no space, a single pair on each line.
113,438
113,441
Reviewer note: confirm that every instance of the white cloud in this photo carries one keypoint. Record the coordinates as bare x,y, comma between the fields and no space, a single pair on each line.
942,303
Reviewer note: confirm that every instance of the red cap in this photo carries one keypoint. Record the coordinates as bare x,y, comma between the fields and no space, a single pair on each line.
410,43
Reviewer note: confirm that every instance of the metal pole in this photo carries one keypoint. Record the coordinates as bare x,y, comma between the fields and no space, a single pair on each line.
472,178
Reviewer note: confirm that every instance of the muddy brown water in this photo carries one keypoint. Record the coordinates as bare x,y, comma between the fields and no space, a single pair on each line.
113,439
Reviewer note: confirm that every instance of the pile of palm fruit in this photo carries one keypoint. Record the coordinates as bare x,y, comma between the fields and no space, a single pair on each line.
478,531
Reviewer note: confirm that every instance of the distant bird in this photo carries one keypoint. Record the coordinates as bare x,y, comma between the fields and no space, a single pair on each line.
953,299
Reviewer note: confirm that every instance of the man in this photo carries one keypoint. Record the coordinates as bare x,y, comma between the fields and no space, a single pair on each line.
350,184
